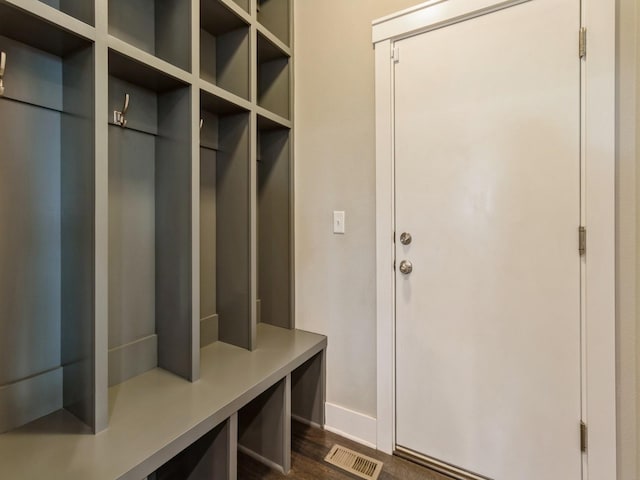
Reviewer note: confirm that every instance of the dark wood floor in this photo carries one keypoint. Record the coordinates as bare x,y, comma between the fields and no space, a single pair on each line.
310,446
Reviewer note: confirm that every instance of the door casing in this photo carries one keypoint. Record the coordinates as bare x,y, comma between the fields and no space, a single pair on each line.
598,212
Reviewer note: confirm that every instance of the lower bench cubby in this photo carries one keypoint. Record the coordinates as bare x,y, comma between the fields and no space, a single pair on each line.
213,456
264,427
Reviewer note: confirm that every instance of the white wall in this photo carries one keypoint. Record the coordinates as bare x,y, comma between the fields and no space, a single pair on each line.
335,277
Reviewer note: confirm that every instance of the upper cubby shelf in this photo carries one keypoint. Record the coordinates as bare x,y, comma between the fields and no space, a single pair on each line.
275,15
224,47
273,78
159,27
40,33
83,10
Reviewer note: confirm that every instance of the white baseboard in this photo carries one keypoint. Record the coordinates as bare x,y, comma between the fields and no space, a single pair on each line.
352,425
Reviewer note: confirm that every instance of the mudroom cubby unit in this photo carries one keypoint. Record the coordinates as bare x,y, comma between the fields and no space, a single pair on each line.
224,46
80,9
275,239
275,16
149,221
146,205
274,82
46,216
225,264
159,27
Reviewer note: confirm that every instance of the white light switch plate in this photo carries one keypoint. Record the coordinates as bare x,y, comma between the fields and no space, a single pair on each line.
338,222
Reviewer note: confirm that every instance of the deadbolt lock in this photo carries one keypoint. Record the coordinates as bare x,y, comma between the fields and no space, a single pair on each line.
406,267
405,238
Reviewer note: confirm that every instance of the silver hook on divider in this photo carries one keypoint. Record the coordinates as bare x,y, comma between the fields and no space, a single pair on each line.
3,64
119,117
201,123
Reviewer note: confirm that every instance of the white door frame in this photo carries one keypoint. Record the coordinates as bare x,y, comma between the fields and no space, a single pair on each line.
598,196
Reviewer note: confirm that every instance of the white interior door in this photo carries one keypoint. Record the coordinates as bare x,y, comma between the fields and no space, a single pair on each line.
487,165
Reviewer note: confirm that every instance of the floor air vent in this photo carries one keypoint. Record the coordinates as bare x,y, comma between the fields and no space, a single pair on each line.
353,462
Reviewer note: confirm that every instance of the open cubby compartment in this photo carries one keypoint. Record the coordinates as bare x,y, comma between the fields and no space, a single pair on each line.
273,78
308,391
159,27
275,243
264,427
83,10
149,222
275,16
225,219
213,456
47,217
224,48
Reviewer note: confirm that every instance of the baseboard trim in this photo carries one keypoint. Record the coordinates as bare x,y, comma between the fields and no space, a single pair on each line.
352,425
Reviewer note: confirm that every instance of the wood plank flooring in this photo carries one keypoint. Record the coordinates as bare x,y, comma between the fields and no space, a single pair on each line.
311,445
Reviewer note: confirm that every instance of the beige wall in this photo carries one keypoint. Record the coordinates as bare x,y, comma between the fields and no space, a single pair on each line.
335,170
335,276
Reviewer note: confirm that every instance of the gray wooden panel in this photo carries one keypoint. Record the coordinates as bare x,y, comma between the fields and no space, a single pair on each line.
32,75
29,399
142,114
30,244
173,233
24,27
233,224
132,359
208,330
276,16
209,138
144,408
308,390
77,174
208,64
273,87
264,426
206,459
132,244
81,9
274,225
134,22
232,62
244,4
173,32
208,305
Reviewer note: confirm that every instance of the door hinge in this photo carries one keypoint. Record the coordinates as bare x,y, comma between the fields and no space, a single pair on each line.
582,240
583,437
395,54
582,49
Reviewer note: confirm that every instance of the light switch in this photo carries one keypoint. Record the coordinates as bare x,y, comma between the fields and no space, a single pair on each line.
338,222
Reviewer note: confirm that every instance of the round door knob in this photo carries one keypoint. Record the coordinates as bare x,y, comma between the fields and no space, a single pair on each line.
405,238
405,267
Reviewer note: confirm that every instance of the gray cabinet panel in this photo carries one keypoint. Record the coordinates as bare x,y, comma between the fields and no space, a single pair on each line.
30,245
274,228
132,266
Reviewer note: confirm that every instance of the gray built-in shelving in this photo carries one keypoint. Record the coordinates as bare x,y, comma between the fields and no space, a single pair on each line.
132,240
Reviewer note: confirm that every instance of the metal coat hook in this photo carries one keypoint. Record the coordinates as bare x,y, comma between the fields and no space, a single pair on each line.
3,64
119,117
201,123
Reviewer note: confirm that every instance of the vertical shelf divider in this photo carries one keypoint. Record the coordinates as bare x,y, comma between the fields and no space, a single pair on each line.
253,184
101,261
195,190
